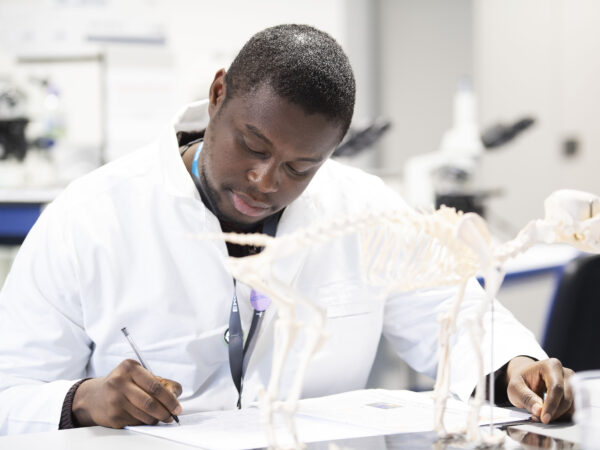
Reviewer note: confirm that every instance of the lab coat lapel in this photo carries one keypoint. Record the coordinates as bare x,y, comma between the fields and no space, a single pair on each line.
175,177
296,216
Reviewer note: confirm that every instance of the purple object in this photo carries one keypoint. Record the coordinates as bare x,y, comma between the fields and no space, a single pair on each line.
260,302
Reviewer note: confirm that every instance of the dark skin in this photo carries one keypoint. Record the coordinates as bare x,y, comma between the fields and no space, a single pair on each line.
528,380
260,152
129,395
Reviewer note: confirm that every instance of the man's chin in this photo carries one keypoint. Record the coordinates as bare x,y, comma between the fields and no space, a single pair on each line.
239,222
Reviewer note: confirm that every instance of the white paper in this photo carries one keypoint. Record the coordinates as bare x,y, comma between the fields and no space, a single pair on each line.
342,416
398,411
240,429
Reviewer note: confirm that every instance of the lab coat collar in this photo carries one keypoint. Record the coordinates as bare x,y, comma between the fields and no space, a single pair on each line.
175,177
193,117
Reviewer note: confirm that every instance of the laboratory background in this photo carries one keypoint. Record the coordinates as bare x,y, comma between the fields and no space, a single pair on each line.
488,106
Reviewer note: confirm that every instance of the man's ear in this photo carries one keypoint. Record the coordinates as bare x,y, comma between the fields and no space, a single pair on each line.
216,93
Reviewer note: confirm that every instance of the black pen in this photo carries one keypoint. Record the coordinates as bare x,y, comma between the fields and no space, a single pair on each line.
141,360
504,426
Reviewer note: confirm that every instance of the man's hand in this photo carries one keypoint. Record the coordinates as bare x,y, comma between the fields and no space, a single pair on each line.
129,395
528,380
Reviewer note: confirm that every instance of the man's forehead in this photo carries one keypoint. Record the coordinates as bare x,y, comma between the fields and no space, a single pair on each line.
273,119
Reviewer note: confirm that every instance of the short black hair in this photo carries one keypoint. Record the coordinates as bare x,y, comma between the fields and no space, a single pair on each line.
304,65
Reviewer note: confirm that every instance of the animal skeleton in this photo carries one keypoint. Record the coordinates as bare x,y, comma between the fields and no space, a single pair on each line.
402,250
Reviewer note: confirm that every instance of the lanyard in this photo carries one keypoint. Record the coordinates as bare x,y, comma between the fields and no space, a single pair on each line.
239,353
196,175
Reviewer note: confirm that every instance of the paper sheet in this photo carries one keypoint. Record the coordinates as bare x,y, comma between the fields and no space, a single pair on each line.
240,429
342,416
398,411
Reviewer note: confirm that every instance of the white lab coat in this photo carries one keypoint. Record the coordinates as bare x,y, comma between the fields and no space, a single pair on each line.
116,249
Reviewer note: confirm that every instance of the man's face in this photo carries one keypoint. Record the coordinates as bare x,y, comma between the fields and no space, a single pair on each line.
260,152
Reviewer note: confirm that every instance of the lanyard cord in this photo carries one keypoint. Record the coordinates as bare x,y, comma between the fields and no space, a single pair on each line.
236,349
196,176
239,353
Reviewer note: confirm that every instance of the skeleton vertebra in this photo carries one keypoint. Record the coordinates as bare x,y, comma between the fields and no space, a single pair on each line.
403,250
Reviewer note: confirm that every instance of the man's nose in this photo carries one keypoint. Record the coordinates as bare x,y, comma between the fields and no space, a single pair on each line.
265,177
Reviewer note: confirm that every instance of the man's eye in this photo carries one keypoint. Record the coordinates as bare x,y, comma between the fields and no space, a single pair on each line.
297,173
252,151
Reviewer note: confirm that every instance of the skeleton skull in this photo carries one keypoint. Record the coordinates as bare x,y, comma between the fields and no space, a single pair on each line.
575,219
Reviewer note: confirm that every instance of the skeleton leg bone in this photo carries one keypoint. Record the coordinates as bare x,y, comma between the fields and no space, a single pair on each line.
476,333
493,277
442,381
315,336
285,332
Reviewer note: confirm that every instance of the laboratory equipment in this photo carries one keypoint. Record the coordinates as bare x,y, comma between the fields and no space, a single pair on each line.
13,121
449,175
360,139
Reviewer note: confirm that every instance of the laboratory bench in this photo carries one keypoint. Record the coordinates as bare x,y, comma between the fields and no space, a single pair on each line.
530,436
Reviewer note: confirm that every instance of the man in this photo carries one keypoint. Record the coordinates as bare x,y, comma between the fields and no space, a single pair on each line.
117,249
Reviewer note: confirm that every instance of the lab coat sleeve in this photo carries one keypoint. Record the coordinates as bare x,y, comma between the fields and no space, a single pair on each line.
411,325
43,346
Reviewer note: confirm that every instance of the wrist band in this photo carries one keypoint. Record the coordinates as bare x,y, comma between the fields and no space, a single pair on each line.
67,421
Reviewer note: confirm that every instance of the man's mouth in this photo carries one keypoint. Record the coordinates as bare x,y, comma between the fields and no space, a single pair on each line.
248,206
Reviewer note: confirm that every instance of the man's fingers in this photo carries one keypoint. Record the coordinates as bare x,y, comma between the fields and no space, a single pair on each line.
121,419
565,409
566,405
529,380
128,395
172,386
146,403
522,397
158,393
141,417
552,374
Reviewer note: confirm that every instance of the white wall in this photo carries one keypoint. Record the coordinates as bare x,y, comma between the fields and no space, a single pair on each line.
187,42
526,56
426,47
539,57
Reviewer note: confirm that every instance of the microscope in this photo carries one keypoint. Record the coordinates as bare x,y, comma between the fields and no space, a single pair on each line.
447,176
13,121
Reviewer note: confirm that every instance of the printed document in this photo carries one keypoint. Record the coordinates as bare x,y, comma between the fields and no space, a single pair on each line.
363,413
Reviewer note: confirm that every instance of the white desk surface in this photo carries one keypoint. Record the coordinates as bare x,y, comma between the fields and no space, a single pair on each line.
91,438
99,438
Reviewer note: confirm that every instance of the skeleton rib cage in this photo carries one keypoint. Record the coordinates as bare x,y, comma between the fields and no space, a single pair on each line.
400,250
404,252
